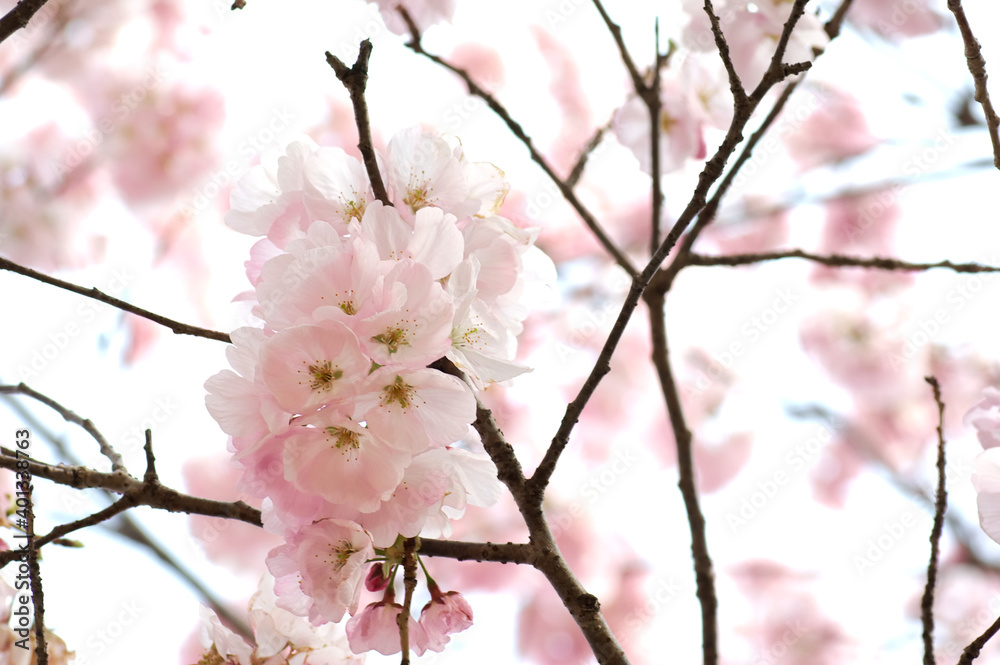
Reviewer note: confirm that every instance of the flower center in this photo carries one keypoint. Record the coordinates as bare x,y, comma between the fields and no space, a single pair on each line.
344,439
323,375
398,391
392,338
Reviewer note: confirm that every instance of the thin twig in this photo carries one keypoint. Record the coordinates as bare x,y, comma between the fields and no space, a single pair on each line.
835,260
37,594
860,443
972,651
977,67
18,17
655,106
130,529
158,496
567,191
355,79
940,504
117,464
119,506
735,84
707,214
616,33
574,175
704,575
177,327
150,477
832,27
711,172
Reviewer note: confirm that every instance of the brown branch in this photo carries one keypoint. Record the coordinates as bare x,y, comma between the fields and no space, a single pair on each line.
18,17
977,67
972,651
130,529
704,575
707,214
69,416
835,260
517,553
577,172
777,71
832,27
616,33
155,496
655,106
735,84
177,327
711,172
541,551
355,79
940,504
41,655
118,507
566,190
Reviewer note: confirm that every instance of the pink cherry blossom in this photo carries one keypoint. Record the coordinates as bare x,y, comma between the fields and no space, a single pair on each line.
445,614
567,89
437,487
231,647
306,367
425,172
424,13
343,462
411,324
752,31
278,631
241,403
894,19
226,541
412,410
325,561
836,130
986,480
167,143
681,127
432,239
375,629
319,282
984,416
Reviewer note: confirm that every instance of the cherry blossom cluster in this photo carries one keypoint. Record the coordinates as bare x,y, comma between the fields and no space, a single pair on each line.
338,421
280,637
695,95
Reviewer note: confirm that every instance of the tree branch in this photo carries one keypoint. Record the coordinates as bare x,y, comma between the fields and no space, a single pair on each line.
835,260
178,328
616,32
155,496
977,67
735,84
69,416
355,79
518,553
18,17
704,575
41,656
516,129
940,504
